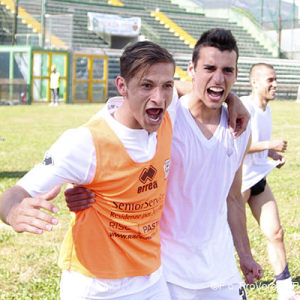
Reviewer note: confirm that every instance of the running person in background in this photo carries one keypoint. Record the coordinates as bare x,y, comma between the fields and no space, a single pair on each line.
204,179
255,188
54,86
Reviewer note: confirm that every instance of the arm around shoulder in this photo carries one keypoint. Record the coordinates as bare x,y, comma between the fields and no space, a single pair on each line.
238,114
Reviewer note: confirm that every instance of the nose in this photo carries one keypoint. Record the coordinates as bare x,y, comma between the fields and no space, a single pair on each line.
275,83
218,77
158,96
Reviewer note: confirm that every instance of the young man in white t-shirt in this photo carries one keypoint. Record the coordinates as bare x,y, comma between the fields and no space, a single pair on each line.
204,214
257,166
204,179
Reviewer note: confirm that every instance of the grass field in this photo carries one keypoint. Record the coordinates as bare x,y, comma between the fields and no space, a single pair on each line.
28,268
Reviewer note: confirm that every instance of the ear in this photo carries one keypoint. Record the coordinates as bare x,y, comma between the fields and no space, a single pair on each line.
121,86
253,83
191,70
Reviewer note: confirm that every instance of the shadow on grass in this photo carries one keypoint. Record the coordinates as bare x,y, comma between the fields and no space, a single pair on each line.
17,174
297,279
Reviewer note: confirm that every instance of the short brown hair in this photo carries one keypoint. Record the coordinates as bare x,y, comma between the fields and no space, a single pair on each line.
219,38
142,55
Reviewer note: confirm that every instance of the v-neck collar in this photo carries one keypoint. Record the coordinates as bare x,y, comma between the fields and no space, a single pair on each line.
203,139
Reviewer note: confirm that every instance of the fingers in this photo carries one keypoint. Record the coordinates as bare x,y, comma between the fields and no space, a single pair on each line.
40,202
51,194
282,162
280,145
238,115
284,146
238,125
27,216
232,122
241,125
79,205
259,273
252,277
78,198
252,271
76,190
280,165
34,224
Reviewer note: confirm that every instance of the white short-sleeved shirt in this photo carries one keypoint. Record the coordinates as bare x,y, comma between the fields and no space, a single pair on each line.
257,165
72,159
197,245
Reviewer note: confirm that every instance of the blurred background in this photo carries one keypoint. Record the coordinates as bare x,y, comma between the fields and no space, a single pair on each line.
84,40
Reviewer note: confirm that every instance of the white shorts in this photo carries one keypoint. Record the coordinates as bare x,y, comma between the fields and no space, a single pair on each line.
230,292
81,291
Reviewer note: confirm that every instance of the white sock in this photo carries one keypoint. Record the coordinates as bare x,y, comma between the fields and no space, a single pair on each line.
285,289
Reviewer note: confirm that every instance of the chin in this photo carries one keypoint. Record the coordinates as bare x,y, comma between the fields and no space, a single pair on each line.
216,105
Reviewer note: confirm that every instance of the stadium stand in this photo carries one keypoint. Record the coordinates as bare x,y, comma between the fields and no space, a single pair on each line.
77,36
6,26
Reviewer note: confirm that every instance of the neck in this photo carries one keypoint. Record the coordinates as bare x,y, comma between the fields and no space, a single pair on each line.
124,116
259,101
202,112
206,118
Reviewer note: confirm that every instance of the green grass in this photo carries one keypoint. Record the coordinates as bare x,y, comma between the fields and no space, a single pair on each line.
28,268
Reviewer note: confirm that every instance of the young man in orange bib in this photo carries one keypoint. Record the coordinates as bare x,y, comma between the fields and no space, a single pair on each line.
112,251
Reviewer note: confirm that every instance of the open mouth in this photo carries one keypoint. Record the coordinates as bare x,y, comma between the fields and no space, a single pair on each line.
154,114
215,92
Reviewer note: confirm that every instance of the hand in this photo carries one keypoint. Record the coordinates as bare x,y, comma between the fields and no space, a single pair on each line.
278,145
251,270
296,296
78,198
27,215
238,115
276,156
282,162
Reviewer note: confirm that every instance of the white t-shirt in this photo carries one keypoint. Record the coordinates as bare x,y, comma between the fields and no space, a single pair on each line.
54,80
72,159
257,165
197,245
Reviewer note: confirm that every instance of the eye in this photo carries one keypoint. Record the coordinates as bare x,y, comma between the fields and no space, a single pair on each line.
146,85
209,68
229,70
168,85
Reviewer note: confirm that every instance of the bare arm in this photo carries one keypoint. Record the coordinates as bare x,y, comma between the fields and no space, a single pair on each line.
273,145
23,212
238,114
237,222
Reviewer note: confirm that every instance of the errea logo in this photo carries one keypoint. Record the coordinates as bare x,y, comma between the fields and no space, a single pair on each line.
147,175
